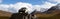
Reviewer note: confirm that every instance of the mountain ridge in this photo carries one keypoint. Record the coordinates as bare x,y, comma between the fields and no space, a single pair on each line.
5,13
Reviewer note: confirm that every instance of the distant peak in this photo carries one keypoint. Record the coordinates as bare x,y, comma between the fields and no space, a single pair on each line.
58,4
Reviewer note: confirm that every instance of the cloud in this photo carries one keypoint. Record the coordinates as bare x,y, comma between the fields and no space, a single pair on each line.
47,5
19,5
58,1
4,7
15,7
0,1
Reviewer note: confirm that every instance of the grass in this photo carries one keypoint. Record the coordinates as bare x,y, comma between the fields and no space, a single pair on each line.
52,17
55,15
3,17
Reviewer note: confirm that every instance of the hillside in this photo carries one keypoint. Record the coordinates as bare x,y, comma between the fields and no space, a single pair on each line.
5,13
53,15
53,11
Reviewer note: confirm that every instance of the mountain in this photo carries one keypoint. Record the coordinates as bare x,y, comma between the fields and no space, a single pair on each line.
5,13
57,7
55,14
43,9
52,13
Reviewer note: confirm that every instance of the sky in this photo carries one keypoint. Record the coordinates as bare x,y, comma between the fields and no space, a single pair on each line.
34,2
14,5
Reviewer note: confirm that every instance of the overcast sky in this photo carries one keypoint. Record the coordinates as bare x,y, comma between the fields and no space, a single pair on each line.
15,5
